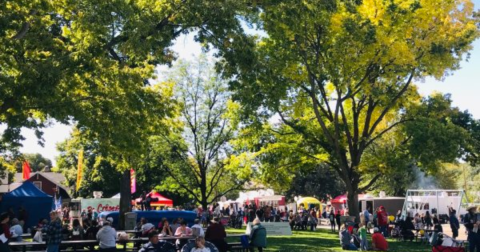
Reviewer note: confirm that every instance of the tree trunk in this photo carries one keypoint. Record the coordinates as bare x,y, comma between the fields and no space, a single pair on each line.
352,201
125,198
204,204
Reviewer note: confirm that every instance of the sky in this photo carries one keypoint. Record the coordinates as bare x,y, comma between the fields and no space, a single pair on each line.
463,85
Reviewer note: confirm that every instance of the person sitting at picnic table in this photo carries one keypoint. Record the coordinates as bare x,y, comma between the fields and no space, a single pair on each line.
92,231
16,230
154,245
406,228
166,229
65,232
53,232
175,224
4,231
200,245
77,232
146,227
258,236
197,229
378,241
216,234
107,236
346,239
182,231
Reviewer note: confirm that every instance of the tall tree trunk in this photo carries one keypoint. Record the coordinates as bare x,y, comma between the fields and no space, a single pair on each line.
204,204
204,200
125,198
352,201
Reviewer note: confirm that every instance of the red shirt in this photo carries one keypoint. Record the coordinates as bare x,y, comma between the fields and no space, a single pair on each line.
379,241
382,218
6,231
215,231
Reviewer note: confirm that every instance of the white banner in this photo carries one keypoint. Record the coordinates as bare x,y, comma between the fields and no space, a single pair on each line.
273,228
101,205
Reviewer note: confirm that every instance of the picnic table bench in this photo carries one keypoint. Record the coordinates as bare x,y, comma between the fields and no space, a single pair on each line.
80,245
76,245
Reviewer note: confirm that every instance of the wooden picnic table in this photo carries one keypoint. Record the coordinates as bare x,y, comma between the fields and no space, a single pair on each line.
74,244
80,244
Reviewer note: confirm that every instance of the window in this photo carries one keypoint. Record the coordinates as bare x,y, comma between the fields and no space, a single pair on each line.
38,184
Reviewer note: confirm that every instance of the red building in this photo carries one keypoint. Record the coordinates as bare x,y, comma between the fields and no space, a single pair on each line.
50,183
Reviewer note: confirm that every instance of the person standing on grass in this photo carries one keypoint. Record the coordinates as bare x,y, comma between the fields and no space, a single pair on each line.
331,217
366,215
53,231
428,220
337,219
454,223
4,232
382,217
312,220
471,221
363,237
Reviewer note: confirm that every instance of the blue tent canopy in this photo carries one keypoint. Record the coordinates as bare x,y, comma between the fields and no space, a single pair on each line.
36,203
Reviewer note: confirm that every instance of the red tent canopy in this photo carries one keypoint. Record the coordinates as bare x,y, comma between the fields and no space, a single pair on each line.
342,199
157,200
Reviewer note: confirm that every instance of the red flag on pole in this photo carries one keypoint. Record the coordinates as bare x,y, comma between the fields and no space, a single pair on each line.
133,182
26,170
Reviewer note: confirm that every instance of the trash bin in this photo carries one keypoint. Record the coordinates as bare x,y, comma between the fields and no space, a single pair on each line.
130,221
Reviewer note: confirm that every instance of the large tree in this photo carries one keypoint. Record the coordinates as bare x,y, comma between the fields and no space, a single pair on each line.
198,157
38,163
90,61
340,73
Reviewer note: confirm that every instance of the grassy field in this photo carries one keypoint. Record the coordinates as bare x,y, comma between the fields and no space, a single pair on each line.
324,240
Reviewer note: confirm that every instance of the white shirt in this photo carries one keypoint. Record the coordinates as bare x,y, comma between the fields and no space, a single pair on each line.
200,249
17,232
200,228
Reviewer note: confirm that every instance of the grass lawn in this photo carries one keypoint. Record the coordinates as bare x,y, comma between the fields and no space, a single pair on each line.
324,240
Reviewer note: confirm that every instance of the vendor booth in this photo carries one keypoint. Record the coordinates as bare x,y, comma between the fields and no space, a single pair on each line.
274,200
309,203
157,200
37,203
339,203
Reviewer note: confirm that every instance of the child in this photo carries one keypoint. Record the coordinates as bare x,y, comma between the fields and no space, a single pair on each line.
200,245
363,237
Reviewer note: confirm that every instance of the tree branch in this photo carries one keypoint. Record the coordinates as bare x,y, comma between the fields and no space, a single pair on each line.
366,187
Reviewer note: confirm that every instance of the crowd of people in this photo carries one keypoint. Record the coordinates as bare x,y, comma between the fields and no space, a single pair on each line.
214,234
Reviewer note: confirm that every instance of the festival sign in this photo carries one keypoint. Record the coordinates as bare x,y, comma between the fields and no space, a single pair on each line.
101,205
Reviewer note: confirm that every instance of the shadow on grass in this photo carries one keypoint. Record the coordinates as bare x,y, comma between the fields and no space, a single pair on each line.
324,240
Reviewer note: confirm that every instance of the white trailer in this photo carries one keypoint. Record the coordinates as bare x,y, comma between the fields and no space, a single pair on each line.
391,204
435,201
